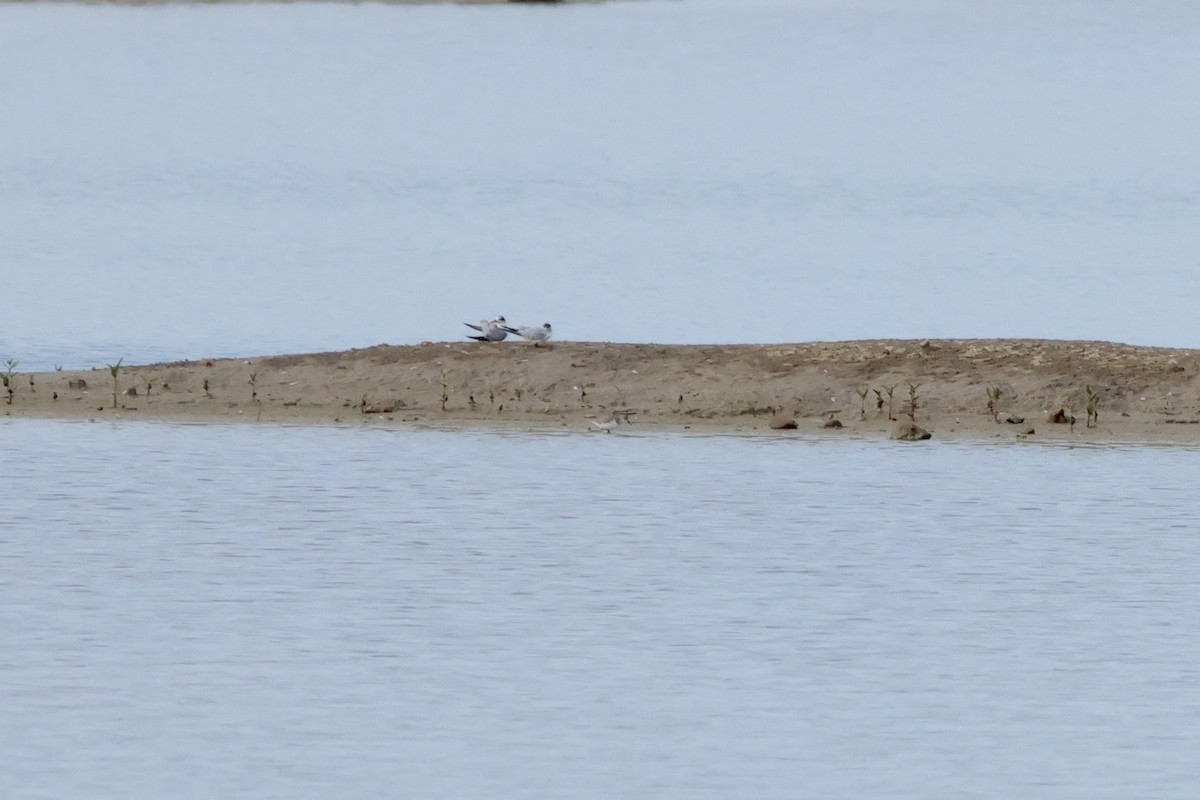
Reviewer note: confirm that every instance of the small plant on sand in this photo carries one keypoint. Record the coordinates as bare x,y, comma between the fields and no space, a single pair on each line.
445,390
115,371
1071,408
912,402
993,395
891,390
8,377
1093,407
878,400
517,393
149,385
253,385
31,386
206,392
862,397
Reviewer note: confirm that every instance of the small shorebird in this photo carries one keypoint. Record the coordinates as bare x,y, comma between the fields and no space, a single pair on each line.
493,330
617,418
532,334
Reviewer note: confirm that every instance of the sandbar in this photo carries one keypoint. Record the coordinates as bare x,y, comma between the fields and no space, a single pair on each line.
1020,389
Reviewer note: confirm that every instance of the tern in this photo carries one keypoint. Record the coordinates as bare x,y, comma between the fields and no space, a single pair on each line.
530,333
493,330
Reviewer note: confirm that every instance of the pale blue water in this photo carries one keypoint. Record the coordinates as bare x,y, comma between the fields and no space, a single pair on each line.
202,611
187,181
211,611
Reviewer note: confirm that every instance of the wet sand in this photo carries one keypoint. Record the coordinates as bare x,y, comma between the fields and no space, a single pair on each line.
1141,394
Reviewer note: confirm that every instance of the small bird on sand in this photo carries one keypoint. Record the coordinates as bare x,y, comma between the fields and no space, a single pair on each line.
617,418
493,330
532,334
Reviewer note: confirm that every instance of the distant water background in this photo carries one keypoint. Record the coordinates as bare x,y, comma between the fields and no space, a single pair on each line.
312,612
197,181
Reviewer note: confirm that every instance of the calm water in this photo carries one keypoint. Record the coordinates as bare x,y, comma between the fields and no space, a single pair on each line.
181,182
203,611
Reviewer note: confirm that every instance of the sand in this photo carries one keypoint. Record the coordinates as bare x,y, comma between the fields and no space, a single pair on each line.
1143,394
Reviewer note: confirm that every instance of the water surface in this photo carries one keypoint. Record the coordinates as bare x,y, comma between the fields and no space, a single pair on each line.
190,181
198,611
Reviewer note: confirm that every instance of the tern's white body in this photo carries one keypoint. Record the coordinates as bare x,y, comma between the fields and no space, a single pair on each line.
535,334
492,330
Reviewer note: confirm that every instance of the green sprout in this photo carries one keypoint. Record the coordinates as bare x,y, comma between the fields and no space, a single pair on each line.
1093,407
8,377
862,396
115,371
993,405
890,391
912,402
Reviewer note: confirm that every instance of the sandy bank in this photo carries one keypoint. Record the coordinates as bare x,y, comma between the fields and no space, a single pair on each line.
1145,394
